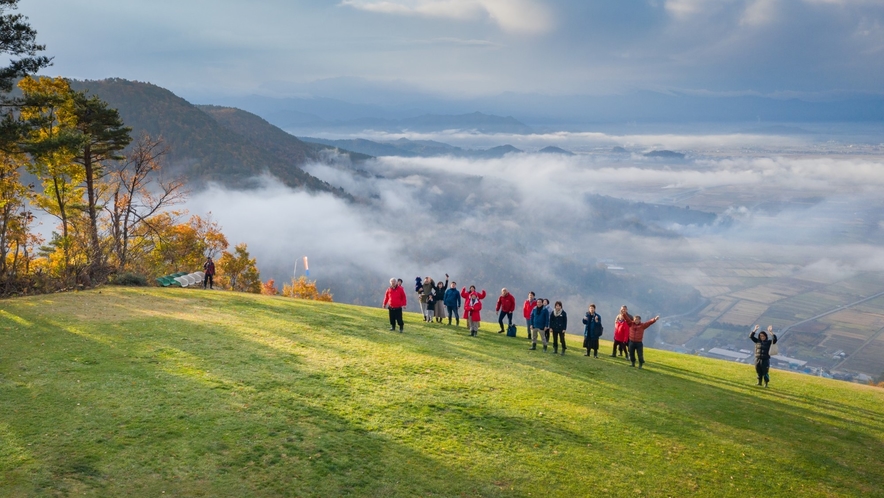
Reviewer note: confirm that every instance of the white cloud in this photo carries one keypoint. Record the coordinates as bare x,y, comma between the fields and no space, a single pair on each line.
683,9
759,12
517,16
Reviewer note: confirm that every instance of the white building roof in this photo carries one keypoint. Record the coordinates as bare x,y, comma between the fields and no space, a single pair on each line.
728,353
791,361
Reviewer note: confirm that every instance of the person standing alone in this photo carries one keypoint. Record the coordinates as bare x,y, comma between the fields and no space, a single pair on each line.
394,301
762,353
209,270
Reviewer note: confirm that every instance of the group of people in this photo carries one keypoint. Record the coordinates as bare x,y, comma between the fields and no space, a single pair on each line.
437,299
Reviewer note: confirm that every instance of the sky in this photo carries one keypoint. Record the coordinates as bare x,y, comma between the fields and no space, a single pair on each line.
471,48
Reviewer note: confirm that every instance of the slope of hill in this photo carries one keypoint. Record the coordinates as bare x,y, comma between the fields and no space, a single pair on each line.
228,148
184,392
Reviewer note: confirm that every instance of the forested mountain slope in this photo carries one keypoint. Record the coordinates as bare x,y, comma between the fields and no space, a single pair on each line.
230,147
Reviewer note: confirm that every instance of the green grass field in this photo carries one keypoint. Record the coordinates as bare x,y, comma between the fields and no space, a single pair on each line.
177,392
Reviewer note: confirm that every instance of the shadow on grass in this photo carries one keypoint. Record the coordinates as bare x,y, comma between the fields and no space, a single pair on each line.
273,437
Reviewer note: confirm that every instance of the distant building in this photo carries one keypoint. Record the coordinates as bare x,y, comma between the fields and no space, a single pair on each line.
727,354
791,362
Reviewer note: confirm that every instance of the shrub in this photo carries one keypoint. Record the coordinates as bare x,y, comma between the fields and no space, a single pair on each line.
128,279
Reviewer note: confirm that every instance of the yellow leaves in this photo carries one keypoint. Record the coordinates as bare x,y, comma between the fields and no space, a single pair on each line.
237,271
302,288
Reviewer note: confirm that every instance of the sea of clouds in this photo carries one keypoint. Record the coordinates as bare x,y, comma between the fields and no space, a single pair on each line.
526,220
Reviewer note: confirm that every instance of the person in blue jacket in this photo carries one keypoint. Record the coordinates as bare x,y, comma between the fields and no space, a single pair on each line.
592,330
540,324
452,302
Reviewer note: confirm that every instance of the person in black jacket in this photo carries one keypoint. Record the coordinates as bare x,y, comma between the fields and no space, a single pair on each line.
439,300
762,353
558,323
209,272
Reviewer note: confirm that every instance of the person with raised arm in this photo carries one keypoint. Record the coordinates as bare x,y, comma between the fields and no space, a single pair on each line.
762,353
472,308
439,299
636,336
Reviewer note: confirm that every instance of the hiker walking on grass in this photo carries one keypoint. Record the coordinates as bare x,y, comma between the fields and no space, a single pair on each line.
558,323
209,271
539,324
439,300
621,332
472,308
529,305
592,330
636,336
762,353
394,301
452,302
506,304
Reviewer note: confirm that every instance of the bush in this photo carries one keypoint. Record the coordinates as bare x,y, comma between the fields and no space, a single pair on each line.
128,279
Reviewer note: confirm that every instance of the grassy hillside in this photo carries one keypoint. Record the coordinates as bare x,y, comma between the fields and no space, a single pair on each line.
182,392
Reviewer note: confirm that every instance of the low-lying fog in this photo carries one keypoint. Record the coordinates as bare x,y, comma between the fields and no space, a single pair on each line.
550,223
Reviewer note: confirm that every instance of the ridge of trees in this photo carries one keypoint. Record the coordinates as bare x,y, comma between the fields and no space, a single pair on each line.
226,146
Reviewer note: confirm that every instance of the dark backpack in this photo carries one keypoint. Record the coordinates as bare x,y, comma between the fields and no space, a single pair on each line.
511,331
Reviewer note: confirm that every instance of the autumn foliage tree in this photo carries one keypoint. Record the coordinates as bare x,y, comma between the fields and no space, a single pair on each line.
238,272
268,288
137,192
301,288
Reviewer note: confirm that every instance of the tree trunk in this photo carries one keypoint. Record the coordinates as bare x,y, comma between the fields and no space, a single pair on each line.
95,262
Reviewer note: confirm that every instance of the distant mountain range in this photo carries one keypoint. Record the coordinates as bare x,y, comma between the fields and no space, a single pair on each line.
355,99
412,148
476,122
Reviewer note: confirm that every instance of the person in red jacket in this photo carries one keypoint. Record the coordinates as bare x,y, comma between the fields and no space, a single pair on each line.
472,307
506,304
527,308
394,301
621,332
636,336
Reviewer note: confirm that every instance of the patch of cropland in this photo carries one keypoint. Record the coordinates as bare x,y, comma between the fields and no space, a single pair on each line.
185,392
